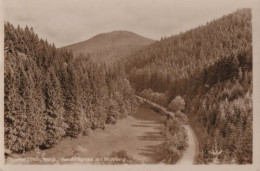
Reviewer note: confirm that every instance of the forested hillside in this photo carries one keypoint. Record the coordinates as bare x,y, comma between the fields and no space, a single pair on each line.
109,47
210,67
50,95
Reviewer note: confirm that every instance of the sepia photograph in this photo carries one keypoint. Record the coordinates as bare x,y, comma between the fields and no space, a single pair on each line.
127,82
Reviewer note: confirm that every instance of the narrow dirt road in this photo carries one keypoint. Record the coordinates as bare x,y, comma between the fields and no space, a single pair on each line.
189,156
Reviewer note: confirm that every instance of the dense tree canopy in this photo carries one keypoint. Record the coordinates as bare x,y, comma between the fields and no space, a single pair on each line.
177,104
210,67
50,94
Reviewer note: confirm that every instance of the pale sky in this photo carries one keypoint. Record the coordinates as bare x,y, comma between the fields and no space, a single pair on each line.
64,22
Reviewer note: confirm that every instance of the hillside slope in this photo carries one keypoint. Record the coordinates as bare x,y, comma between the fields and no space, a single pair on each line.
211,68
110,46
182,55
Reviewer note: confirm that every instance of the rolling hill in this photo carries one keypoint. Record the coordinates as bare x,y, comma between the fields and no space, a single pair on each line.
110,46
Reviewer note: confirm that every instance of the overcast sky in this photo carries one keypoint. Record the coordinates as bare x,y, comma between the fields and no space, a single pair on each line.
69,21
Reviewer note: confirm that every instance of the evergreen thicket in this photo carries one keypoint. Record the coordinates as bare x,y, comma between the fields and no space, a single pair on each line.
210,67
49,94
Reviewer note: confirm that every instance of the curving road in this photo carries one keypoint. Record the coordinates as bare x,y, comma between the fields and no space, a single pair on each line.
190,154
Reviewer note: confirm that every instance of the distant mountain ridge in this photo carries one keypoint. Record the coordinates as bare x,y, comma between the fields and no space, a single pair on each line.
110,46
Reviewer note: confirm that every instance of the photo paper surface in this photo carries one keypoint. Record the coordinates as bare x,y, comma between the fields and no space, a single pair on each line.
109,85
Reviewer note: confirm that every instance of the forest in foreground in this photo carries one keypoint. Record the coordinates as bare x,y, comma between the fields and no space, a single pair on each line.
210,69
49,94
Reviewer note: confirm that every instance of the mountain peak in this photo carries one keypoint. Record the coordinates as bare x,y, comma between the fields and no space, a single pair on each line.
119,37
111,45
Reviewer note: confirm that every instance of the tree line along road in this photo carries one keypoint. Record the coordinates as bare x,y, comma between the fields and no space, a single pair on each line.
190,154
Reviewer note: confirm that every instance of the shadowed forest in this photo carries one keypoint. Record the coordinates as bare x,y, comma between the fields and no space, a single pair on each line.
211,68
